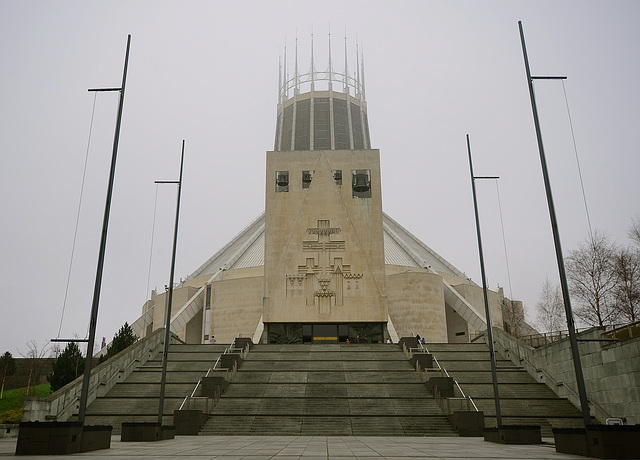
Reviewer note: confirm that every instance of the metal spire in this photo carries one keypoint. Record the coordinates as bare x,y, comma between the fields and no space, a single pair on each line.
284,75
362,72
358,67
296,67
346,70
313,69
330,65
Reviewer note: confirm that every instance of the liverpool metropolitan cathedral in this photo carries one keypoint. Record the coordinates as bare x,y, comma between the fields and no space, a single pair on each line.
324,263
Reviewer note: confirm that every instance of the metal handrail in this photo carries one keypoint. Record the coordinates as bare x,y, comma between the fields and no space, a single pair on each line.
227,350
443,370
555,382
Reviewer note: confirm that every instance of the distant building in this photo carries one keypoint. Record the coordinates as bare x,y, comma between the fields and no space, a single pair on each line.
323,262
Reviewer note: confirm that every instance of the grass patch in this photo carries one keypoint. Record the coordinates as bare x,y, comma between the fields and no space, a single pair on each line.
13,399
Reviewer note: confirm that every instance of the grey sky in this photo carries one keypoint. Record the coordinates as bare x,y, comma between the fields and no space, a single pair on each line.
207,72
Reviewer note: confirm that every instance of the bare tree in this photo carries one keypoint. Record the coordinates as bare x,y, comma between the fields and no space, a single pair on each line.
627,291
592,280
634,230
35,357
551,316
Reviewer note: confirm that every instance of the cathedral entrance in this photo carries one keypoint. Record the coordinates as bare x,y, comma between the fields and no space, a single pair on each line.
324,332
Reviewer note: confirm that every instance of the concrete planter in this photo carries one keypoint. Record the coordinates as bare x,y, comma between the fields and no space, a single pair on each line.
49,438
146,431
230,361
213,387
188,422
444,384
514,434
95,437
469,423
167,432
424,360
600,441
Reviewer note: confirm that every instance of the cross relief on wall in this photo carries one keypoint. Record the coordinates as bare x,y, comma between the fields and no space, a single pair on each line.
323,276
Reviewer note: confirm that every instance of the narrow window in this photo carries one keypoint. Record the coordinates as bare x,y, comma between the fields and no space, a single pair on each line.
361,183
337,176
282,181
208,296
307,176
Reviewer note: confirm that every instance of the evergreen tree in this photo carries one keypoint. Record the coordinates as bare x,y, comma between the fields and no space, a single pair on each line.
124,338
67,367
7,367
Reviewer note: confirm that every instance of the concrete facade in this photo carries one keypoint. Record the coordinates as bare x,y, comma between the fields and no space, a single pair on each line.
324,253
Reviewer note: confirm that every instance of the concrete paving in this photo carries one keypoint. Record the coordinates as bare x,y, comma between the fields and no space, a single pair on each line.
312,447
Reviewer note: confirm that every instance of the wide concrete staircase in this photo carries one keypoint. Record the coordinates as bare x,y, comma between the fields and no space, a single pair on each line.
523,401
327,389
137,398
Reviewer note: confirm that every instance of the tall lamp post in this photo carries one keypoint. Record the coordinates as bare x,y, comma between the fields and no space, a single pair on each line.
487,309
167,331
575,353
84,393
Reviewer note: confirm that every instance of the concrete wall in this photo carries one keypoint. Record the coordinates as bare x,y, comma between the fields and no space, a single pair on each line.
416,305
236,306
611,371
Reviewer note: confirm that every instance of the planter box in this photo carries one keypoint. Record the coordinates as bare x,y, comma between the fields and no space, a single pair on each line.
167,432
444,384
600,441
230,361
514,434
95,437
242,342
213,386
424,360
188,422
469,423
49,438
139,431
571,441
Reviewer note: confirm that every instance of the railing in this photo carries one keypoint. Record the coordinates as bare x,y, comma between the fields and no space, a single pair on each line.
553,381
624,332
230,349
423,349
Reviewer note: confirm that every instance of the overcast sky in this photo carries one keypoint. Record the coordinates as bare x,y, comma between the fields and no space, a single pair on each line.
207,72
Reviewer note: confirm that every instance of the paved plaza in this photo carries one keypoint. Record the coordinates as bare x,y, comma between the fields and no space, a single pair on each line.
312,447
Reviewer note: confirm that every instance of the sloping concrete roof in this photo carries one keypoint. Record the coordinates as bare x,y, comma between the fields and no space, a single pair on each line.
401,247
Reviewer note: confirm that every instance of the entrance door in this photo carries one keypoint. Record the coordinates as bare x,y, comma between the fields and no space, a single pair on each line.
325,333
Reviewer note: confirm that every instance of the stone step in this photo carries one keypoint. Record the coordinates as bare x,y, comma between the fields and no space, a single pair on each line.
528,407
133,406
457,347
154,376
328,426
352,390
510,390
251,365
145,390
189,366
206,348
330,347
257,355
343,407
189,356
474,365
326,377
464,377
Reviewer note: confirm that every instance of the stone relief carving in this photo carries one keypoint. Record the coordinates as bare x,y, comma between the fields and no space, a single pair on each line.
324,276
